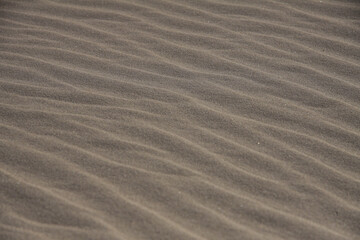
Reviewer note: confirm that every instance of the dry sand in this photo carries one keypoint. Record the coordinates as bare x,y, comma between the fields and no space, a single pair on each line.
186,119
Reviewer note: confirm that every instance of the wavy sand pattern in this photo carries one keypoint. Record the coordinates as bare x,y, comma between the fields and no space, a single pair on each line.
164,119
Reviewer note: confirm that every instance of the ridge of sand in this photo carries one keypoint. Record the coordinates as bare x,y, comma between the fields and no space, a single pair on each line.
161,119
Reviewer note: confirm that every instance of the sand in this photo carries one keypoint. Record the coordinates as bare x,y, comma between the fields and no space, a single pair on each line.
164,119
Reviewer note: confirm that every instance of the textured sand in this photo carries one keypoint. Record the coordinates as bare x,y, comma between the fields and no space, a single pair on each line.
186,119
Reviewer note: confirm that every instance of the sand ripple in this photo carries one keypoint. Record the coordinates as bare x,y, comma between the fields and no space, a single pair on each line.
163,119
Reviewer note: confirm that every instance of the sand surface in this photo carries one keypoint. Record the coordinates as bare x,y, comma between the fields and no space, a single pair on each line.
186,119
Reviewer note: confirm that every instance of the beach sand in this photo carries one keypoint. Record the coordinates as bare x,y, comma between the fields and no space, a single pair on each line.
164,119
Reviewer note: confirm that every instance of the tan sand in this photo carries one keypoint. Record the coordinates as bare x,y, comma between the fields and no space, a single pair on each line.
179,119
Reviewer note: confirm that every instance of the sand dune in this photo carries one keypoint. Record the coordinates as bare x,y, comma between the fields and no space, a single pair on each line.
164,119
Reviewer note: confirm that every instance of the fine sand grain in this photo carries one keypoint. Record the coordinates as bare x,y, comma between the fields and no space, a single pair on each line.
179,119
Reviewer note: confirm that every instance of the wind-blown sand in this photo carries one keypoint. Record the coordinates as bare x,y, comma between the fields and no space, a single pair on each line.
160,119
